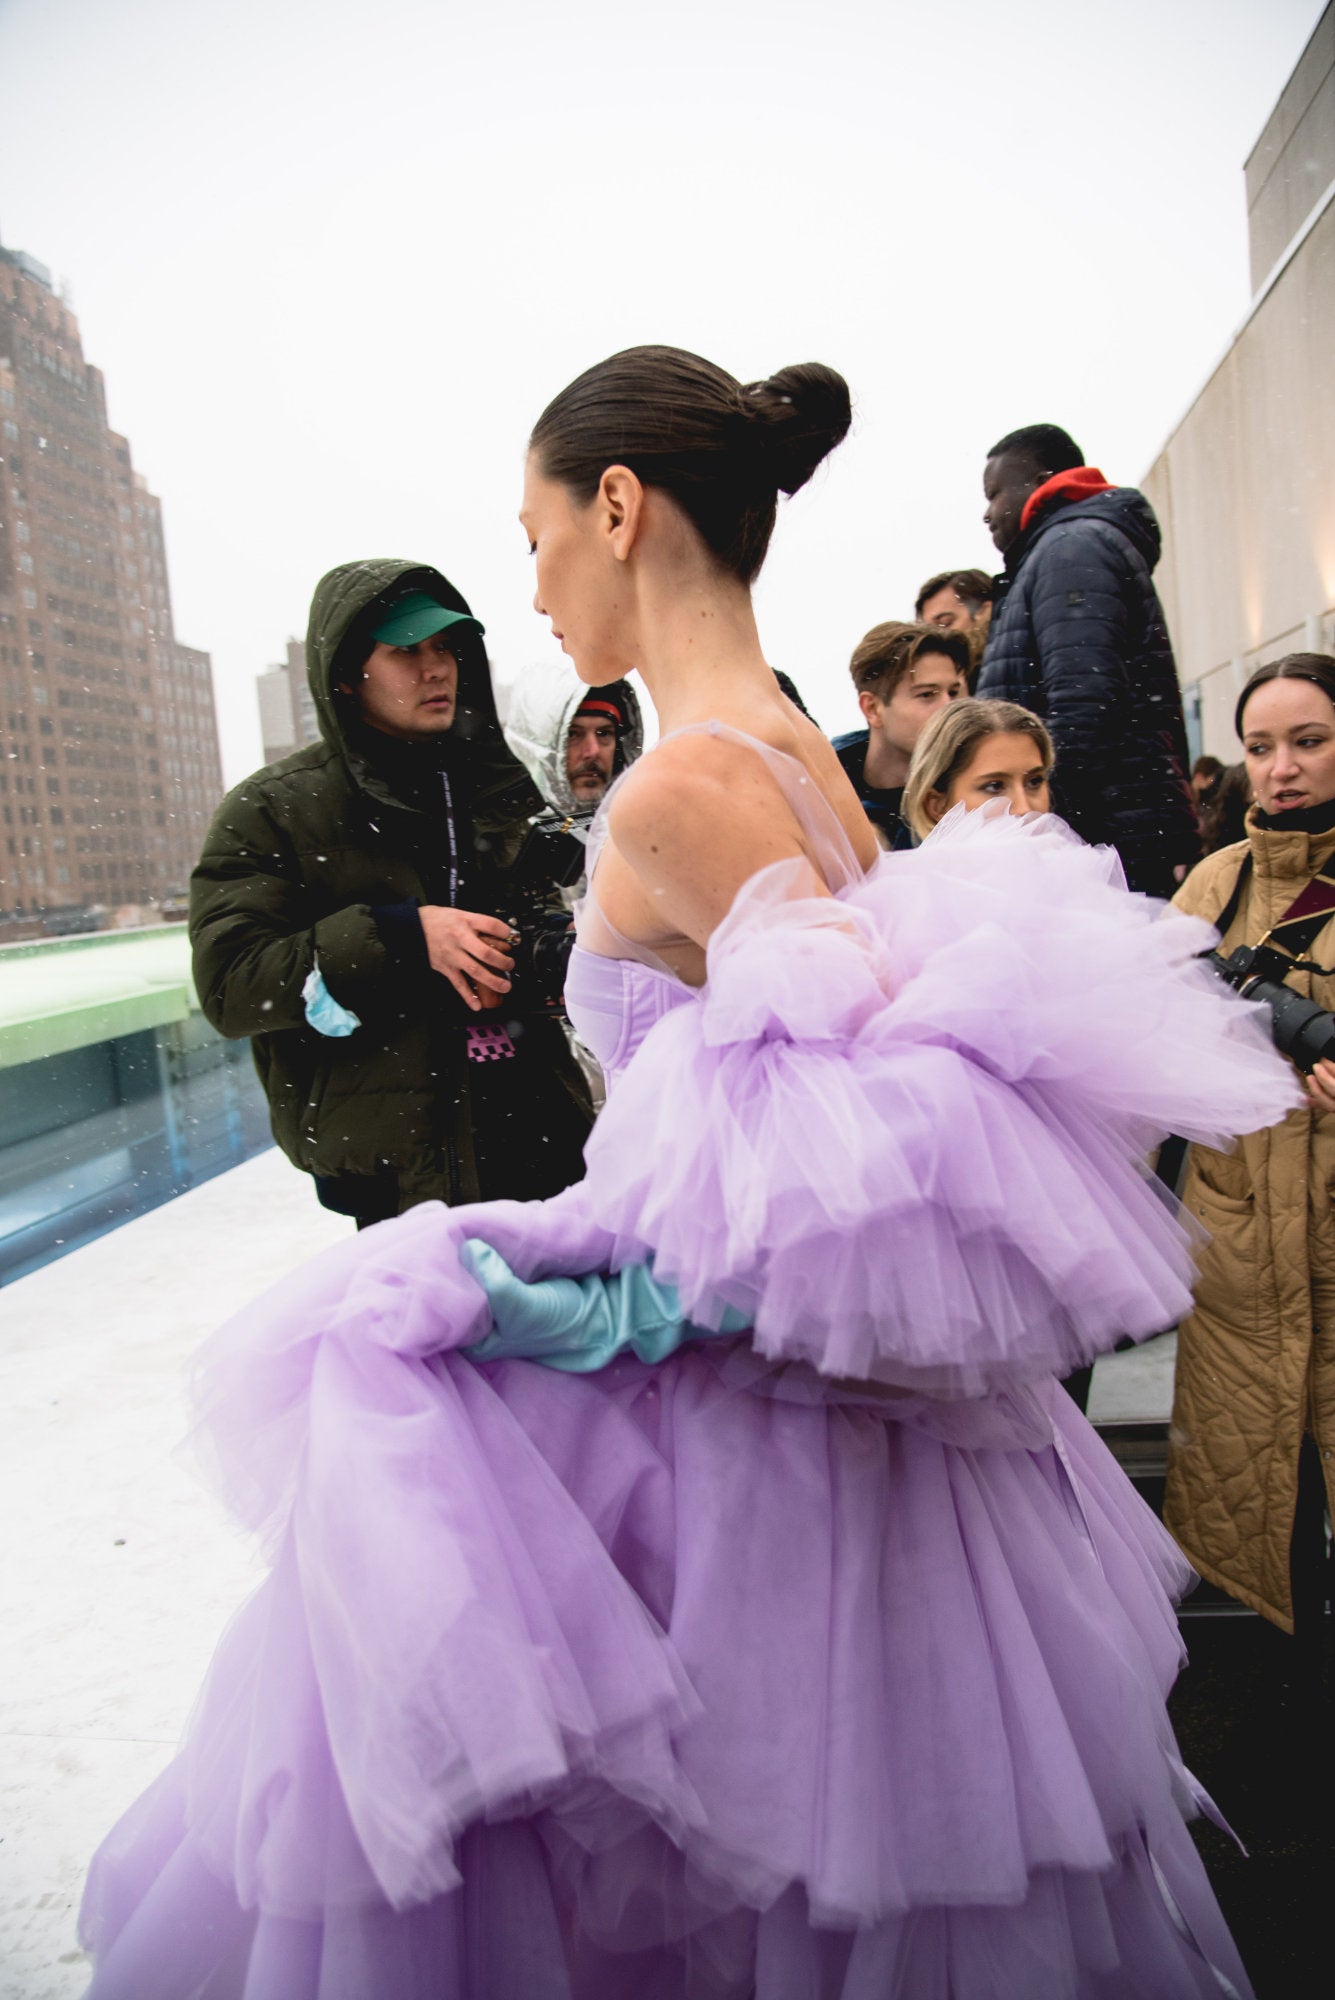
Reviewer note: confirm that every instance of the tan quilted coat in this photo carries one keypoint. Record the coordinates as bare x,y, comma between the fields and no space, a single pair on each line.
1256,1357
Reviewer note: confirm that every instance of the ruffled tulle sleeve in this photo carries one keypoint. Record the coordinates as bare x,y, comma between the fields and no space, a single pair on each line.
904,1130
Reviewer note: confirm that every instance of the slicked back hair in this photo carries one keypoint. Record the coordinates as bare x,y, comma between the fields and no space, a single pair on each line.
722,450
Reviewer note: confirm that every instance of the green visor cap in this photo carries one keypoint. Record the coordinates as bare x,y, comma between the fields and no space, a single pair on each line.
420,617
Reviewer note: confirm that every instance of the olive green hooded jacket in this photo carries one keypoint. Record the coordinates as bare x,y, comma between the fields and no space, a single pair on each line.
297,859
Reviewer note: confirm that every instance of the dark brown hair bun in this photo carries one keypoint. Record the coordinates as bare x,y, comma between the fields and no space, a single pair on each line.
805,411
721,451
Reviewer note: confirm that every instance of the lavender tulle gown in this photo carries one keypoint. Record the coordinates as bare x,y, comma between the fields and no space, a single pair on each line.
729,1676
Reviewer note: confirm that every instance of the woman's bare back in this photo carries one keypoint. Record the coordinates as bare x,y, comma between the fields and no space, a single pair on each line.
702,814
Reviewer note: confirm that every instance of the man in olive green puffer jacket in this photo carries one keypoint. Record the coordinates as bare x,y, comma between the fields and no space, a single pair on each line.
351,914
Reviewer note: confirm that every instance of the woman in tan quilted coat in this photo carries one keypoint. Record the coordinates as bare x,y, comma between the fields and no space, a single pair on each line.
1252,1453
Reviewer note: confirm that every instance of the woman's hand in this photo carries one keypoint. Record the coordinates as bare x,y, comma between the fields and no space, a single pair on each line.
469,951
1321,1086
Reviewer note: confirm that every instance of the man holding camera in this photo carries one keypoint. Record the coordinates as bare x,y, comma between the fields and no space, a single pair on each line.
362,911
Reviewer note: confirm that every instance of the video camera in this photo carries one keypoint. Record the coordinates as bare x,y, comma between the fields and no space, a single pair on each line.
552,856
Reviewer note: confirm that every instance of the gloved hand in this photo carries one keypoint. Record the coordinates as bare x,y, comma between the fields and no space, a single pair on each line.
580,1324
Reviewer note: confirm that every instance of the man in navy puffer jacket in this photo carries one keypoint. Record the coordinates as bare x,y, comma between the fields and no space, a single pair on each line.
1078,635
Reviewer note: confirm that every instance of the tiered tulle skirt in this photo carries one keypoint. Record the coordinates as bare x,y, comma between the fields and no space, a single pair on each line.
721,1678
775,1694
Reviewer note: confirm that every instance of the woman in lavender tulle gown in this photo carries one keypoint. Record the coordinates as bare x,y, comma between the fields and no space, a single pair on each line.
695,1585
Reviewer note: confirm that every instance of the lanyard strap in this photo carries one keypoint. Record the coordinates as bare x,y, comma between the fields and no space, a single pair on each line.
452,837
1291,936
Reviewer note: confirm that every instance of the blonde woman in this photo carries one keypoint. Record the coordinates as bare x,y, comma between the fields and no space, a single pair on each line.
973,751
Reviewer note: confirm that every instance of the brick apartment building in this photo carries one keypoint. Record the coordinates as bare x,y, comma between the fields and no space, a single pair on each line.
109,764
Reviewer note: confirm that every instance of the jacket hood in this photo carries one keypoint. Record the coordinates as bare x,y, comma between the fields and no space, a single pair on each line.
543,703
349,602
1079,482
1123,507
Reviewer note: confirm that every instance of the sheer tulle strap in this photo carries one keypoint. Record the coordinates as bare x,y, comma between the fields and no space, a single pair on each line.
831,851
595,934
602,939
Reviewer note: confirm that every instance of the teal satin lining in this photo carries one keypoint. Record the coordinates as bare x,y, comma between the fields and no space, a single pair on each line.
580,1324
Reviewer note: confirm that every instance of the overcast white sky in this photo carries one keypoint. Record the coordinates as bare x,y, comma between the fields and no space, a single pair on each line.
333,259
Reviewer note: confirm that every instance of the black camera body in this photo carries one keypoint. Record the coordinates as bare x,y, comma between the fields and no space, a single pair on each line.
1303,1032
552,856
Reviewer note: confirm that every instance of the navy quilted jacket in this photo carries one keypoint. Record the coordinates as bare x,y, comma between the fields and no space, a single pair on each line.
1078,635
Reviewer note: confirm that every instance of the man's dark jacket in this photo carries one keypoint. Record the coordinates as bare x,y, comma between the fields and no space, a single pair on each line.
1078,636
296,861
881,807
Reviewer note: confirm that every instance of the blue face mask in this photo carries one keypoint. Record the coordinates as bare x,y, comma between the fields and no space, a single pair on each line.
323,1012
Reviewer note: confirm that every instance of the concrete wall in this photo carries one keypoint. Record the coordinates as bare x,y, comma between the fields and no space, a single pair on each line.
1293,162
1245,492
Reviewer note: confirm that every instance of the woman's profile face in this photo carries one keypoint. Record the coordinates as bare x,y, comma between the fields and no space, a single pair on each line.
1288,739
1007,766
578,585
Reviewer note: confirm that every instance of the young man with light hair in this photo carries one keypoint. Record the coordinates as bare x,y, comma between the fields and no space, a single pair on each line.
903,674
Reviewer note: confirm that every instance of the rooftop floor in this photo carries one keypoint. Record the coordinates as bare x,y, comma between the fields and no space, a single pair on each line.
120,1567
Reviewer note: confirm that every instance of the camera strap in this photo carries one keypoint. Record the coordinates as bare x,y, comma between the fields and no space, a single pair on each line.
1283,948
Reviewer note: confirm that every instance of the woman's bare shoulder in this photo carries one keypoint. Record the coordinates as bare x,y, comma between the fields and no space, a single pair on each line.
718,784
696,786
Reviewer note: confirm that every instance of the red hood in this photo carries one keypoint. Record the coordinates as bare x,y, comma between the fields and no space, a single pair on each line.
1081,483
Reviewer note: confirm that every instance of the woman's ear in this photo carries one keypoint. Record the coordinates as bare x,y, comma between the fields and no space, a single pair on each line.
934,805
621,504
